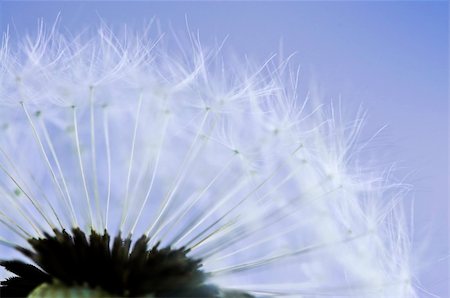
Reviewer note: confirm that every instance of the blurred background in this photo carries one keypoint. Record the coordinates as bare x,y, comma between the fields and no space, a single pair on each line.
391,58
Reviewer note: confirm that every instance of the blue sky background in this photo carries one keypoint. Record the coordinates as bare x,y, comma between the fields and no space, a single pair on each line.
390,57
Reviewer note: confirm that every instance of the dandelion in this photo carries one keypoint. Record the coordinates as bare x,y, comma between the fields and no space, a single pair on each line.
130,168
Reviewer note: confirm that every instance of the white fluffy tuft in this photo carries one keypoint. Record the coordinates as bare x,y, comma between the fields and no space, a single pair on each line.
127,133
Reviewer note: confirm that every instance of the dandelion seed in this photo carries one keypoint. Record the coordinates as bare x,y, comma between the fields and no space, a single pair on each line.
128,169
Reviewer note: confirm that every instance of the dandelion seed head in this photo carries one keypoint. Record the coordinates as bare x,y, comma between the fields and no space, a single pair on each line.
120,133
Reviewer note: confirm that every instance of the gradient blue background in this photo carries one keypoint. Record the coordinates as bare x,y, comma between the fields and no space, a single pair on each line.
391,57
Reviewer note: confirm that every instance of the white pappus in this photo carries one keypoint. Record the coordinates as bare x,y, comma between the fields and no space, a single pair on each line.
124,133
